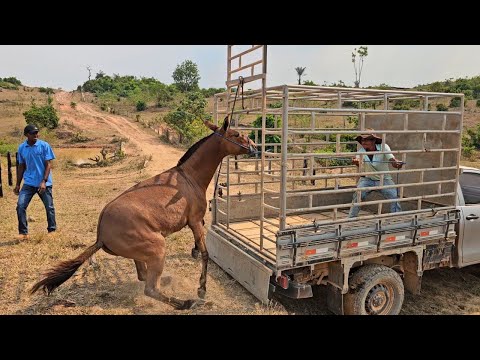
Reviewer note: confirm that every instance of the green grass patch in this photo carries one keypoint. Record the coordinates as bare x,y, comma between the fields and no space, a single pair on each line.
6,147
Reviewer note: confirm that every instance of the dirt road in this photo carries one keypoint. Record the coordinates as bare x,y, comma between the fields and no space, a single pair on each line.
86,116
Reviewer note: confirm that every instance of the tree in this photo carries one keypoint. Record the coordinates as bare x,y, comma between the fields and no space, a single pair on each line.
187,118
100,74
89,69
362,52
186,76
300,73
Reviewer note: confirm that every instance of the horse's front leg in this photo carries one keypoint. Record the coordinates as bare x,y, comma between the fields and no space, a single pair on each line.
199,234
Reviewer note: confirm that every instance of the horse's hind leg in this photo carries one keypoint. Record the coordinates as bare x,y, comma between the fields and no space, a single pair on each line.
141,270
195,251
199,235
155,266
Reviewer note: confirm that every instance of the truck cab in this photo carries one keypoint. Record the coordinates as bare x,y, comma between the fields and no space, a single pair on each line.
468,198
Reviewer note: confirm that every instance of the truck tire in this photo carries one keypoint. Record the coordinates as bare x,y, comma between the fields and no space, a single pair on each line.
374,290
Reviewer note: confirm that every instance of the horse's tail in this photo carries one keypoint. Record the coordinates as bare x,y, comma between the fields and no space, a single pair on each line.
63,271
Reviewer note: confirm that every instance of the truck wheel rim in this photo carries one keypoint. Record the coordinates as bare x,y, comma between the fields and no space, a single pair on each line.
379,300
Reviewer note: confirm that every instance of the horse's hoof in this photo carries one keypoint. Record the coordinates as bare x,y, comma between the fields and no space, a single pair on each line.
188,304
201,293
196,253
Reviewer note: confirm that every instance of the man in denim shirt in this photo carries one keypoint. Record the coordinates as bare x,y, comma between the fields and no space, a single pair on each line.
34,168
373,163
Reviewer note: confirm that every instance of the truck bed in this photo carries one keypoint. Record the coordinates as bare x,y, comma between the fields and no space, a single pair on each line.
314,238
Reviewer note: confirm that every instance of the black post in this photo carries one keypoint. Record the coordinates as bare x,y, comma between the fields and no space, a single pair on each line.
9,168
1,188
16,165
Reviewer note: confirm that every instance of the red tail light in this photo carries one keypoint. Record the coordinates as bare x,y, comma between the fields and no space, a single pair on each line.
283,281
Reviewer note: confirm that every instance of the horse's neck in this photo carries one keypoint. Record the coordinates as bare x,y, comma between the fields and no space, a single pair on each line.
204,161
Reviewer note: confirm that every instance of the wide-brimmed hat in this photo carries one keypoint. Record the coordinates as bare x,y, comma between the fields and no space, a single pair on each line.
369,135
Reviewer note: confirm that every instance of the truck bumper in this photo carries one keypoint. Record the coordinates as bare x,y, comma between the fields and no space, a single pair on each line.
294,290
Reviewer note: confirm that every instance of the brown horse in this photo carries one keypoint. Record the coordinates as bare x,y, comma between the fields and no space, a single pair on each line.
136,223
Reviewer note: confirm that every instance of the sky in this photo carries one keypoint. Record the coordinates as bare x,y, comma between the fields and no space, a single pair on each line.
65,66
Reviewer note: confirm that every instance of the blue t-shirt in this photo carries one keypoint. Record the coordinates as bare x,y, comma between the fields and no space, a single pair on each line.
34,157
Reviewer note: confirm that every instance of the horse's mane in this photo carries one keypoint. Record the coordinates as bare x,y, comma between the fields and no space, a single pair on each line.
192,149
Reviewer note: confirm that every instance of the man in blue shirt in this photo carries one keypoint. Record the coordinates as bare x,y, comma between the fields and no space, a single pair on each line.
34,168
372,163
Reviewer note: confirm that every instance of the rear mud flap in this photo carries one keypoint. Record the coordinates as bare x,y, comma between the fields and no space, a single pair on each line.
249,272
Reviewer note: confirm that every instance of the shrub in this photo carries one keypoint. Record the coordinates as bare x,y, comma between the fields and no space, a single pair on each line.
275,105
8,86
47,90
78,137
455,102
269,123
12,80
141,105
474,137
7,147
44,116
441,107
350,104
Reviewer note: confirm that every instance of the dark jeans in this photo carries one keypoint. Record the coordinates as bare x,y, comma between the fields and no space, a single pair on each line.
24,198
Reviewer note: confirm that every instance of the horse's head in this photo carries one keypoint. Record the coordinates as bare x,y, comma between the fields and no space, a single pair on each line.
235,143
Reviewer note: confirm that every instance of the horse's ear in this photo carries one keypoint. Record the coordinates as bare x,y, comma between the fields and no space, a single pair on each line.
210,125
225,123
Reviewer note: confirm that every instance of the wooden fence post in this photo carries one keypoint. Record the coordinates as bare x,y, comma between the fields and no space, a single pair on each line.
9,168
1,187
16,166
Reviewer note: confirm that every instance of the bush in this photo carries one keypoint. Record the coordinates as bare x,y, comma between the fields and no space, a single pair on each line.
455,102
47,90
73,104
212,91
275,105
467,147
474,137
141,105
441,107
478,103
8,86
350,104
78,137
45,116
164,96
6,147
12,80
269,123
